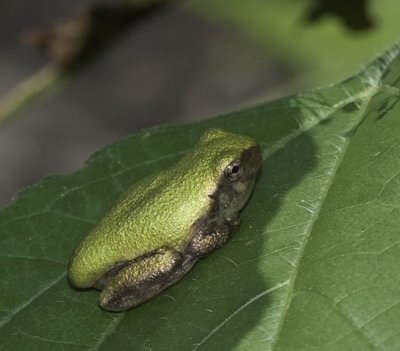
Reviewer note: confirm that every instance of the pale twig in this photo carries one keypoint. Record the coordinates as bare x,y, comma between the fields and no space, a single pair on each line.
30,88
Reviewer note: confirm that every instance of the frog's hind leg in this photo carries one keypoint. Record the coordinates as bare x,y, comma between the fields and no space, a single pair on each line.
144,278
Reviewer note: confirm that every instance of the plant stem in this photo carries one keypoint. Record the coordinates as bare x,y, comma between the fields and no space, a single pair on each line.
29,89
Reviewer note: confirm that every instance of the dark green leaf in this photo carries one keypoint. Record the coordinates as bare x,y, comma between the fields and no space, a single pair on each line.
314,266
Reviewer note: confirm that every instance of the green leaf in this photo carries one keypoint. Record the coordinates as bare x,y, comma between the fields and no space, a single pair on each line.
314,266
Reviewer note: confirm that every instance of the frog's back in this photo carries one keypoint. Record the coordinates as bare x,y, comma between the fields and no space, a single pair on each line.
149,216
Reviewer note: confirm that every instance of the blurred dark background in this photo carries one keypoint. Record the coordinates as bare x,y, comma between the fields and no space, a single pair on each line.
187,61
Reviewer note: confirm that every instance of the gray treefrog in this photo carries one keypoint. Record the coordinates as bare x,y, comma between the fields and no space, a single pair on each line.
164,223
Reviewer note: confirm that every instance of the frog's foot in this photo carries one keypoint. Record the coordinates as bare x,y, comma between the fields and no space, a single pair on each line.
213,236
233,221
144,278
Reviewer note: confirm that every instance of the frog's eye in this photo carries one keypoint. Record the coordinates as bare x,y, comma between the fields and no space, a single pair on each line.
234,170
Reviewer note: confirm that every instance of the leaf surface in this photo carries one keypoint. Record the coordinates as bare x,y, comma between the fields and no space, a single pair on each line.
314,266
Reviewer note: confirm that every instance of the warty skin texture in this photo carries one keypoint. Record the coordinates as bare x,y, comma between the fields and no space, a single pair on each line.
159,211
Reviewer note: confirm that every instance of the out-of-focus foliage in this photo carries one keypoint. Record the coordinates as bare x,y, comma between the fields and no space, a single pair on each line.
324,51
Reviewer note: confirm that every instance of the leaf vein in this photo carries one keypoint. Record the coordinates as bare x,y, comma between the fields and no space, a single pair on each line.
20,308
238,310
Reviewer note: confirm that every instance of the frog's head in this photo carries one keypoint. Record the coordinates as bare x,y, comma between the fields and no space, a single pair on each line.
235,161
